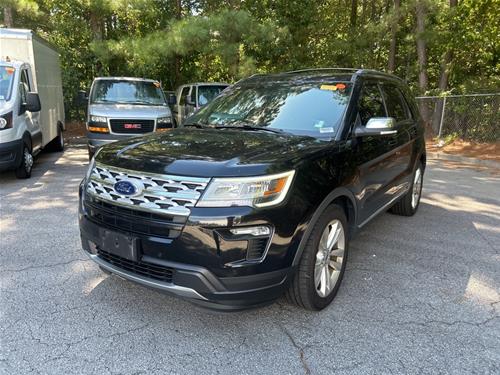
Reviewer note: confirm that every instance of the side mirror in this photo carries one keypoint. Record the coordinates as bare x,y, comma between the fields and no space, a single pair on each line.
82,97
32,102
171,99
376,126
189,101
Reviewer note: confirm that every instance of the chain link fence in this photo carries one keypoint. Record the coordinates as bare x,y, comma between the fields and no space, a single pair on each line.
473,117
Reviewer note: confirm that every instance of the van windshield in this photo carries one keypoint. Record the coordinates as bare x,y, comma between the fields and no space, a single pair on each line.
207,93
306,108
127,92
6,81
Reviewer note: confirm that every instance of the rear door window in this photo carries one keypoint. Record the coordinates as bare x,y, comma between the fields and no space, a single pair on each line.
396,106
370,103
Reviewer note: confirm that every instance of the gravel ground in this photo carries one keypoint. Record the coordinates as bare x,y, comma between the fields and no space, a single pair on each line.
421,294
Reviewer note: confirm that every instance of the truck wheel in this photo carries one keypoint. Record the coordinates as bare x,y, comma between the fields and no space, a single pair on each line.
57,144
24,170
408,204
323,262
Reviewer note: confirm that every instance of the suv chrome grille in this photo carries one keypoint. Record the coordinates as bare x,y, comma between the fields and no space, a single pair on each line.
162,194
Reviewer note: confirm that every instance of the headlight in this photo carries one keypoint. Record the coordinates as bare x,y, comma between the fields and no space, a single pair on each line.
164,120
98,119
262,191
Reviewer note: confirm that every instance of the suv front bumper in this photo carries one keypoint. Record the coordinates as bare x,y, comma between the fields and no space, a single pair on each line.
200,267
192,282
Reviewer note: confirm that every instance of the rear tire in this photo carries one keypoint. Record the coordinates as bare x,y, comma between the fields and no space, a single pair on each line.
408,203
323,262
57,143
24,169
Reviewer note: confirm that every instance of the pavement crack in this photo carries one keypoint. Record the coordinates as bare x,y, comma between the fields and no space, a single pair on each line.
45,265
307,370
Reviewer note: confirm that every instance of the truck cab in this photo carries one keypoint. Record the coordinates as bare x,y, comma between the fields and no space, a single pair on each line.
192,96
29,75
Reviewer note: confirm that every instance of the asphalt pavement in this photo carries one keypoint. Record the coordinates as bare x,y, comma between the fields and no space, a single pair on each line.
420,295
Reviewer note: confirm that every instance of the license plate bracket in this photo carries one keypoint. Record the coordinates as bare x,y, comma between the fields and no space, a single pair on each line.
120,244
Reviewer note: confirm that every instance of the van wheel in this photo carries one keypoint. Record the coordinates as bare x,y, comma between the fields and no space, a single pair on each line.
24,170
323,262
408,204
58,142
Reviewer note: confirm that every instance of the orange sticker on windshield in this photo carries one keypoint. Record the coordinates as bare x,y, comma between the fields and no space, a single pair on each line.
10,70
329,87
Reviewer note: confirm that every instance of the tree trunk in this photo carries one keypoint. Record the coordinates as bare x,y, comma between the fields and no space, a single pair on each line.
446,63
421,13
391,64
8,18
354,13
177,58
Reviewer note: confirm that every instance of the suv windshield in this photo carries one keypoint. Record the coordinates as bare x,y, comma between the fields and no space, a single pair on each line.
306,108
207,93
127,92
6,80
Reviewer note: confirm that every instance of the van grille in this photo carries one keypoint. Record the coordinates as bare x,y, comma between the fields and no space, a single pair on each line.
159,194
124,126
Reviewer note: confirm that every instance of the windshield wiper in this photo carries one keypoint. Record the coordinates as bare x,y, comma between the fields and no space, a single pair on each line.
251,128
199,125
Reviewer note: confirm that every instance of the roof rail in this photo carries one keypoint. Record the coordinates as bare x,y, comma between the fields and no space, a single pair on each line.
377,73
325,69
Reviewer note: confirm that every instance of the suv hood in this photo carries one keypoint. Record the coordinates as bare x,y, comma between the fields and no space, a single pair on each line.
129,111
211,152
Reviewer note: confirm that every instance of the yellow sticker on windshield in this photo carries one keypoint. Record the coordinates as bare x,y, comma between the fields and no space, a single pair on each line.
329,87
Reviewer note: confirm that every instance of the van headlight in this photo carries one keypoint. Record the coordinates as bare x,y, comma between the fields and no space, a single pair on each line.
164,120
98,119
261,191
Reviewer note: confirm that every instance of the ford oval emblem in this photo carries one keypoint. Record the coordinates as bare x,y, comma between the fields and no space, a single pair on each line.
126,187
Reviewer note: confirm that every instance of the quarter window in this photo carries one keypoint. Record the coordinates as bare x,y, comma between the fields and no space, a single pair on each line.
394,101
371,103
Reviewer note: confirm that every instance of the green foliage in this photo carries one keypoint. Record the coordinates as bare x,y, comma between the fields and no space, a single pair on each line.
225,40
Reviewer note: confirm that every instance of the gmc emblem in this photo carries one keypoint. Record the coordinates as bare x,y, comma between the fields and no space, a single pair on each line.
132,126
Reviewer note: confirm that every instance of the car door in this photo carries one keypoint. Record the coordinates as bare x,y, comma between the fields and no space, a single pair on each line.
191,106
182,103
401,142
31,119
374,155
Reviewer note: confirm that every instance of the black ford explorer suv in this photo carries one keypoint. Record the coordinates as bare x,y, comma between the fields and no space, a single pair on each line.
260,192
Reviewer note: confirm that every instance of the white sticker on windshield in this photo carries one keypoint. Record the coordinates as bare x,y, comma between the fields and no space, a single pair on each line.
326,130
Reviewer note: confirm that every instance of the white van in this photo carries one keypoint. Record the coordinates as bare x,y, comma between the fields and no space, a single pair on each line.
31,100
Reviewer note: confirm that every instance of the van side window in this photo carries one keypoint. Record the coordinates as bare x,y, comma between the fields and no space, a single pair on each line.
370,103
184,93
395,103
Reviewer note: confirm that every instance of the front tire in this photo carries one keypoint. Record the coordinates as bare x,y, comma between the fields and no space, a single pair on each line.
323,262
24,169
408,204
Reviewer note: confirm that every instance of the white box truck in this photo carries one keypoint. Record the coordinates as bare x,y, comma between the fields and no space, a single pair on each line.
31,100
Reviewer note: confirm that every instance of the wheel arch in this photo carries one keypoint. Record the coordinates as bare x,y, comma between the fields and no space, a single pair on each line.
27,140
341,196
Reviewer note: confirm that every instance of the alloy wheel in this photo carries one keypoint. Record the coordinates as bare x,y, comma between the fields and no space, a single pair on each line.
329,258
417,188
